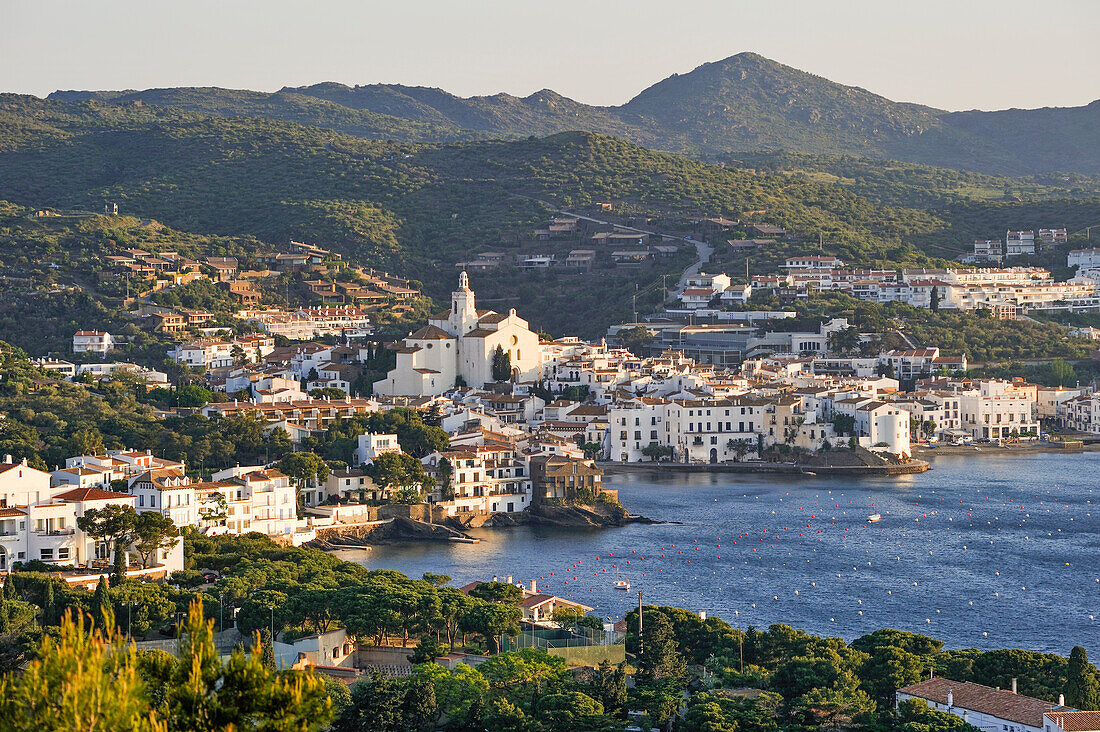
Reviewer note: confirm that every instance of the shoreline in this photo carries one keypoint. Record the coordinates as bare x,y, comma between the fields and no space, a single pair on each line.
910,468
995,449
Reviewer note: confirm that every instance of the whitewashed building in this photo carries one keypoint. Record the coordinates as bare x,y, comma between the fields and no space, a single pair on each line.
93,341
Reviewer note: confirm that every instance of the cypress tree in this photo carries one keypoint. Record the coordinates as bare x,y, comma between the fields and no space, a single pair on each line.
103,611
119,571
48,605
3,612
1082,687
268,648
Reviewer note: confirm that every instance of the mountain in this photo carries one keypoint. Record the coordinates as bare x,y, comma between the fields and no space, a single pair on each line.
742,104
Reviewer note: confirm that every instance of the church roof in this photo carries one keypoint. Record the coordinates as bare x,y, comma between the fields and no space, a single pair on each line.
430,333
480,333
492,317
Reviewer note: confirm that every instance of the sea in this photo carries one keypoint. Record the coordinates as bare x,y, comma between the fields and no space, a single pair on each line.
983,551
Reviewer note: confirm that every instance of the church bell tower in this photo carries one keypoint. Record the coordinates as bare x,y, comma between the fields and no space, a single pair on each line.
463,311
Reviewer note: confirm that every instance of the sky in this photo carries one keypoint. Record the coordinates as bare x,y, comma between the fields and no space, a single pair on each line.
957,54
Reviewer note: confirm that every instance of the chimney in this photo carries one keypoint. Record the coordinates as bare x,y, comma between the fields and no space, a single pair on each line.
509,579
1061,700
1013,684
494,578
950,698
7,459
534,585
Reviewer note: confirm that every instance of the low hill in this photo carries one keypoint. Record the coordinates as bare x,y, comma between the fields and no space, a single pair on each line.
745,103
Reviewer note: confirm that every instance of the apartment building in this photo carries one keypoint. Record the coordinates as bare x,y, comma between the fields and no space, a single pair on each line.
1019,243
998,409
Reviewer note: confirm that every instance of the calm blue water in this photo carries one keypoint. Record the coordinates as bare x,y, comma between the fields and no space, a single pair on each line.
986,552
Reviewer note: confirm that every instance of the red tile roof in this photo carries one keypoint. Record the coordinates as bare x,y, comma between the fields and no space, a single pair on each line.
1076,721
90,494
984,699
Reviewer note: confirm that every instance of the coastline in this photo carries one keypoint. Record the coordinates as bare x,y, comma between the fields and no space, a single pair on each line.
994,449
909,468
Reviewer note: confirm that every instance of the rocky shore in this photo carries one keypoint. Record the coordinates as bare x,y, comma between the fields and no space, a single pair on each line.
402,529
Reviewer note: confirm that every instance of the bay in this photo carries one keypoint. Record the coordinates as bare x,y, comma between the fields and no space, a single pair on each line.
989,551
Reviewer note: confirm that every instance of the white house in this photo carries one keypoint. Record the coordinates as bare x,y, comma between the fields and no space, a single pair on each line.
813,262
371,445
92,341
460,344
988,709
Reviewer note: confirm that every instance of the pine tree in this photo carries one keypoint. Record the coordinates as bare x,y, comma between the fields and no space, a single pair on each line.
1082,686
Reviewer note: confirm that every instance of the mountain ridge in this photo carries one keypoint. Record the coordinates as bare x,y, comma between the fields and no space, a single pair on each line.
741,104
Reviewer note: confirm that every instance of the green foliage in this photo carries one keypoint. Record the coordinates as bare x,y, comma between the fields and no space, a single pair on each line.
659,657
89,679
502,365
1082,682
401,475
718,712
914,715
152,533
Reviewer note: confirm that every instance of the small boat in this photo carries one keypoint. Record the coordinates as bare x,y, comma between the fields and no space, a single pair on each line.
874,517
621,584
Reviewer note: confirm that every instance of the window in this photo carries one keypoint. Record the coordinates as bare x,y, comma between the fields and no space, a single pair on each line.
141,501
63,553
46,555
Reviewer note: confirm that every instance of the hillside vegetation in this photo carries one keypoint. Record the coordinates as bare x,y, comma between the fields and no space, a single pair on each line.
741,104
411,208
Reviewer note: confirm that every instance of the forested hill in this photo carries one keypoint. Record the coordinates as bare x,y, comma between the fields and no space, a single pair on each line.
745,103
413,208
419,208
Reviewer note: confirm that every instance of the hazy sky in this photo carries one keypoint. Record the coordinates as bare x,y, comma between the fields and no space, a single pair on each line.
956,54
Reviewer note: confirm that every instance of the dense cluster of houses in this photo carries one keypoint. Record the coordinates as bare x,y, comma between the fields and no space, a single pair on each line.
535,434
1001,291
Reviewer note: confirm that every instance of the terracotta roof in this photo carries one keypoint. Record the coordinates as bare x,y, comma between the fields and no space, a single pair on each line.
984,699
1076,721
492,317
536,600
430,333
90,494
9,512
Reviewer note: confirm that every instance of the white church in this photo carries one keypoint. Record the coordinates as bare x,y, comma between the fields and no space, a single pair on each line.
461,343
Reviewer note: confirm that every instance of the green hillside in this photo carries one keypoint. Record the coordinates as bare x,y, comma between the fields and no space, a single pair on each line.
745,103
417,209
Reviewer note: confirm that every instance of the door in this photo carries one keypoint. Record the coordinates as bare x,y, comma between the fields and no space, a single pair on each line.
714,454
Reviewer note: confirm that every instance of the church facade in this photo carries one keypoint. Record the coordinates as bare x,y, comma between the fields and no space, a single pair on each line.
460,343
